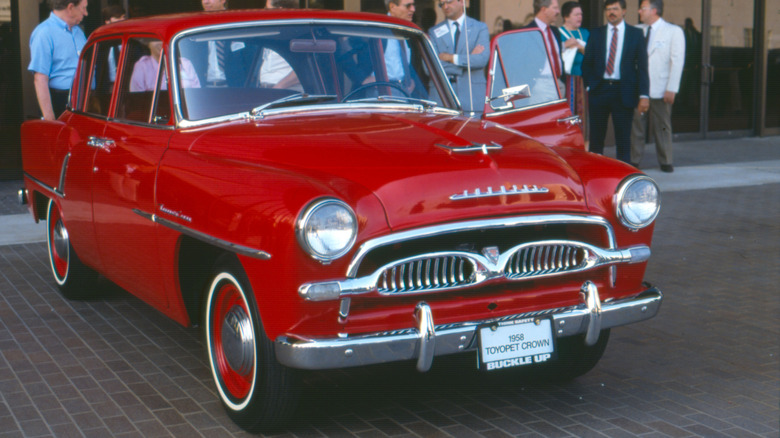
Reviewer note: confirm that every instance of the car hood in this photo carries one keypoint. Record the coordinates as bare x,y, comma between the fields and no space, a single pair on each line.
414,163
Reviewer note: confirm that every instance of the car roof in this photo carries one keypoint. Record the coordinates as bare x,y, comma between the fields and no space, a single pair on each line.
166,26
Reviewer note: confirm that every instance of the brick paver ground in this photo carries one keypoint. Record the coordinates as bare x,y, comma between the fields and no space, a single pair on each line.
707,365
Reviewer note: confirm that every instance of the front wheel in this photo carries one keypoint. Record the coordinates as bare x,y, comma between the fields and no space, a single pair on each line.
257,392
75,280
575,358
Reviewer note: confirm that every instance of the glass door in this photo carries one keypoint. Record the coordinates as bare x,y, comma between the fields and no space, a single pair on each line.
772,63
687,110
729,70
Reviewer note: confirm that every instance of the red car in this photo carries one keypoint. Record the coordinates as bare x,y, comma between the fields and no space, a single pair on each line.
272,176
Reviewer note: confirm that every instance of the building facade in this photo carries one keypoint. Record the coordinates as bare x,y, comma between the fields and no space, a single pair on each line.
730,85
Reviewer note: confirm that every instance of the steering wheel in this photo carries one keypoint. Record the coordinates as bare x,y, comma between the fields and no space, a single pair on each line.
363,87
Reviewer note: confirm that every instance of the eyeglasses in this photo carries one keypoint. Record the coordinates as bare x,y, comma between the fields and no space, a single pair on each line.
408,5
447,2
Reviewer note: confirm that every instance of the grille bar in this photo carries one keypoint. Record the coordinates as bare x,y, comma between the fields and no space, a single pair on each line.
544,259
427,273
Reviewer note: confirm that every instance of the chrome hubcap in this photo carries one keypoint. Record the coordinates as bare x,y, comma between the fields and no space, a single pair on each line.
60,235
238,341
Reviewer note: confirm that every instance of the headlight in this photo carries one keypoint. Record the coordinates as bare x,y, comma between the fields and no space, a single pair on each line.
327,229
638,202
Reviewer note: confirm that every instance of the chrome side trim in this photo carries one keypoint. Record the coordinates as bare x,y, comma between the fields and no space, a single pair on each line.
229,246
49,189
358,350
457,227
63,171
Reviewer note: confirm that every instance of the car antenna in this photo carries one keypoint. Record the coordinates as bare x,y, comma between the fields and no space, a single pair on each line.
468,62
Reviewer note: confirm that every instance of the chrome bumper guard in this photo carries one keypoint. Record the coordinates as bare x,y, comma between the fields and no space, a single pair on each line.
426,340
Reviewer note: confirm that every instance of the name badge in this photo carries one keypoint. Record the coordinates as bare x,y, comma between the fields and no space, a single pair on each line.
441,31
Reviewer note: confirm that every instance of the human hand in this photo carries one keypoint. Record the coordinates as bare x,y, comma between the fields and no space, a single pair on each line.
644,105
446,57
669,97
479,48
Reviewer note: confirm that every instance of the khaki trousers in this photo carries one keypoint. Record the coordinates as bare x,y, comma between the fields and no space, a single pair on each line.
660,118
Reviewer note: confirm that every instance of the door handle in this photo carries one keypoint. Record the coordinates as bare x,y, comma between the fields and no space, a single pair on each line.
573,120
102,143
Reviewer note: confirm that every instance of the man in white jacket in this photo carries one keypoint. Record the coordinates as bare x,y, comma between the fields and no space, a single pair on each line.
666,56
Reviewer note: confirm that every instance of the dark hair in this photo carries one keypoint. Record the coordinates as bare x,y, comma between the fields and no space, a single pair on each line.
287,4
539,4
58,5
568,7
612,2
112,11
658,5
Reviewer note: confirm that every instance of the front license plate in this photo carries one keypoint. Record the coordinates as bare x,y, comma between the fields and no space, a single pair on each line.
515,343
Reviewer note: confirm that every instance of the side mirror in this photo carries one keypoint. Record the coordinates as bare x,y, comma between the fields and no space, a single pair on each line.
512,94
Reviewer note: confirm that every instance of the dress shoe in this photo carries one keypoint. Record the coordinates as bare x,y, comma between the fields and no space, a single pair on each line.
668,168
635,165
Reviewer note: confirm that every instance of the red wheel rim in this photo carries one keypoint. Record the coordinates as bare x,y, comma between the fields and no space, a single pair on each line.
233,341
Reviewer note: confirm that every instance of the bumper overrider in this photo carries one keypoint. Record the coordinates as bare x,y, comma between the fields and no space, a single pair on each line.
426,340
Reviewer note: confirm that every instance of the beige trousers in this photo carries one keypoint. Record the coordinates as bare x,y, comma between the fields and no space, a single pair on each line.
660,118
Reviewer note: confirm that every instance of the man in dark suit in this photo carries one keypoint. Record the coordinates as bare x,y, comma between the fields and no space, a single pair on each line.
616,77
545,14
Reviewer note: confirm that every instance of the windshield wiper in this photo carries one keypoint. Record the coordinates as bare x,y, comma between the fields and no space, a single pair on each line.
399,99
292,100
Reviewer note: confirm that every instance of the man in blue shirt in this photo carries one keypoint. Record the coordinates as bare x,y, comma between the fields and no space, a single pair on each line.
55,46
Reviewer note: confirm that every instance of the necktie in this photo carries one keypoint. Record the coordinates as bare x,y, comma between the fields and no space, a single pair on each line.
220,46
647,37
456,37
612,52
553,52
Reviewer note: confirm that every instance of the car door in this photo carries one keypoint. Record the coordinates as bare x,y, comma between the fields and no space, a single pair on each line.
84,123
523,93
133,143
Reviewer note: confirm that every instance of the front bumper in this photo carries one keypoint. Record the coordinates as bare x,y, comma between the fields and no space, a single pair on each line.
426,340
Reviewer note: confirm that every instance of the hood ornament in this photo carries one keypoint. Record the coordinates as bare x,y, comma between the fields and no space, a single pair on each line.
503,191
474,147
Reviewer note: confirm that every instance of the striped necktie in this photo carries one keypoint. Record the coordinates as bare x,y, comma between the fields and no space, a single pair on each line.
612,52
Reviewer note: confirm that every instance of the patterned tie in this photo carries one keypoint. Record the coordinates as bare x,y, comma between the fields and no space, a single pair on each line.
612,52
457,35
220,48
553,53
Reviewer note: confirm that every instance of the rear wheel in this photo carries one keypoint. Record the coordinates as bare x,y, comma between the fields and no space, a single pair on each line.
74,280
257,392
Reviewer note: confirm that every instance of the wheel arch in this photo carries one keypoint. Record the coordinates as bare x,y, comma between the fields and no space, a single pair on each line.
196,260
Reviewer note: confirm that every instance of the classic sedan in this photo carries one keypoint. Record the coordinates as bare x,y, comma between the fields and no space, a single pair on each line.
313,202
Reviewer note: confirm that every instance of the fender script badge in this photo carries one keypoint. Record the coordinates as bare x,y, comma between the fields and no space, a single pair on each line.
525,190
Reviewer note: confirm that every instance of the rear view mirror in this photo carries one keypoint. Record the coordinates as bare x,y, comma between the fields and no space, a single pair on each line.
312,46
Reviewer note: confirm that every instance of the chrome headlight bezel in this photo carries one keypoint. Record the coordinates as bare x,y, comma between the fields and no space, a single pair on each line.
629,191
317,249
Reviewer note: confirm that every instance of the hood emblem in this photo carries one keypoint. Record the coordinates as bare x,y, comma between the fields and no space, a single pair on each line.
474,147
503,191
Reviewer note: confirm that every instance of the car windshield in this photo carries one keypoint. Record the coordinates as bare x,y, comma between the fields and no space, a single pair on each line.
254,68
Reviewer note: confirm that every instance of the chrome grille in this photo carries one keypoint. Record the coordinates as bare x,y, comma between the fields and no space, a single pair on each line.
542,259
427,273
